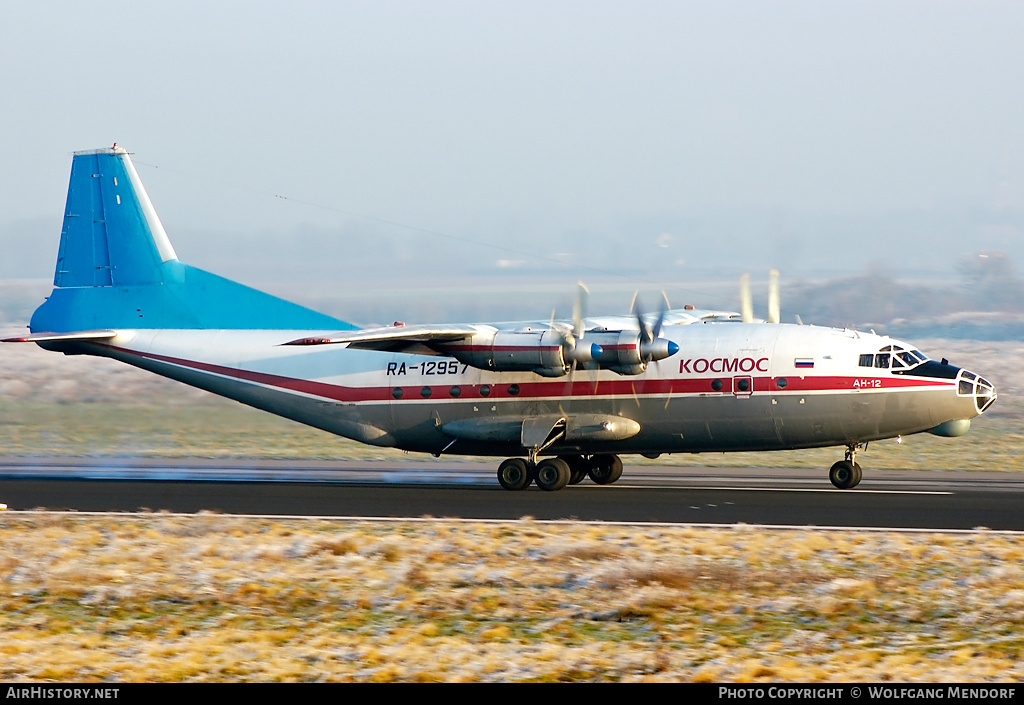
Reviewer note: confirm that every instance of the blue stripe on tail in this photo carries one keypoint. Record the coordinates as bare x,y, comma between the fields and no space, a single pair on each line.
117,269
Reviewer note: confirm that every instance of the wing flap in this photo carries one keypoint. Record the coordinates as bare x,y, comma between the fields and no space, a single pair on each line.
393,338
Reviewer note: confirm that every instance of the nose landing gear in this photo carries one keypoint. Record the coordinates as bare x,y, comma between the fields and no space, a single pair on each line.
846,474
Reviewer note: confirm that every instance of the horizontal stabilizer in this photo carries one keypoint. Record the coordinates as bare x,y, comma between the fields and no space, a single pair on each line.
74,335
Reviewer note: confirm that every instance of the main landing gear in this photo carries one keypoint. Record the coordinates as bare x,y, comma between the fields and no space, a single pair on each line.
553,474
846,474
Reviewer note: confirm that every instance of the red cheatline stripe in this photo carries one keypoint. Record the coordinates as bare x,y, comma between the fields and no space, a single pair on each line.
625,386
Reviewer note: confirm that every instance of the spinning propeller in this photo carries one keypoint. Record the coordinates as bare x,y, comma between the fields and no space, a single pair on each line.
623,351
652,345
746,302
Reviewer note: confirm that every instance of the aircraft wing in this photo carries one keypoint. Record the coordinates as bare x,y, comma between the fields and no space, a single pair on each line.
74,335
409,339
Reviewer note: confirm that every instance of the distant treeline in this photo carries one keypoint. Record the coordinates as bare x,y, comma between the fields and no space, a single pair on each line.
984,301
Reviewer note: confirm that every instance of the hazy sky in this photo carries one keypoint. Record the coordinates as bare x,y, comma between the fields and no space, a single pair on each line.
789,134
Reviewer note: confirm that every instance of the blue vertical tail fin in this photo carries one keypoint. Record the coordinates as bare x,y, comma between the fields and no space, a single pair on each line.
112,235
116,267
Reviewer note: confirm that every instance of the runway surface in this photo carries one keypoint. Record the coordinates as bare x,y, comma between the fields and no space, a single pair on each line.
905,499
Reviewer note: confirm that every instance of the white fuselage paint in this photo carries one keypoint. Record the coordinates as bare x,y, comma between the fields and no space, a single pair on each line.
693,401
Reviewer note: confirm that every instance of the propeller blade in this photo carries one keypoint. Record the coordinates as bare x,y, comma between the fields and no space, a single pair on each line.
579,313
579,310
652,346
567,394
637,310
746,302
773,296
662,310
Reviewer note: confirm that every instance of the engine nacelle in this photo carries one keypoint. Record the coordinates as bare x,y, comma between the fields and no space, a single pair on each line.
550,353
528,350
623,352
619,348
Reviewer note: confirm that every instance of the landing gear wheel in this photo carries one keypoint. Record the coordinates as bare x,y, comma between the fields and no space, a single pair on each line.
859,475
513,474
578,468
553,474
845,474
605,469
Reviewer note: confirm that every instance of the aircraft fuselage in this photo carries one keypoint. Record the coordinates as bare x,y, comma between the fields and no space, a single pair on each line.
731,387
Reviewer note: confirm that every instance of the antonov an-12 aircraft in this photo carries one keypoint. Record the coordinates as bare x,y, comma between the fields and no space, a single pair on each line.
561,400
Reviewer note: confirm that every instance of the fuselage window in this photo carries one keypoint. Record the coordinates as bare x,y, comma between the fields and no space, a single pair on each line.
867,360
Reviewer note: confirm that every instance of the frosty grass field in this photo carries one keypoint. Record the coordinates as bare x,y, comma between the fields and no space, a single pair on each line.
211,597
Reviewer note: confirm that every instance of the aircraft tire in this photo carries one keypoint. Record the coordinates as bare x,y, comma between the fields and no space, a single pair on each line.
553,474
578,468
605,469
858,474
514,475
844,474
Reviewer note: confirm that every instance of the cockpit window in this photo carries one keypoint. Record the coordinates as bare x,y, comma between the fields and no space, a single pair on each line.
892,357
908,358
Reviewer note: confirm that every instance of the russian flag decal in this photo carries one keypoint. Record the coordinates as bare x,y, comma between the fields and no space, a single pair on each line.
803,362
